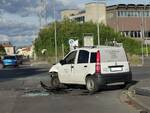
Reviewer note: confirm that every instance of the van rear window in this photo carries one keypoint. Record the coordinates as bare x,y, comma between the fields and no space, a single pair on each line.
93,58
113,55
9,57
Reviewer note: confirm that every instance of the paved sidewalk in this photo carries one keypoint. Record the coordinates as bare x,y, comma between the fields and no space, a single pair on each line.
44,64
140,94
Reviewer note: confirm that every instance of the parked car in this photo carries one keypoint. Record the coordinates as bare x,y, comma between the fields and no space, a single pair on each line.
10,60
0,62
20,59
93,67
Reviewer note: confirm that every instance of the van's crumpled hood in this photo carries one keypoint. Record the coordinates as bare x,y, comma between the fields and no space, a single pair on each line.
55,68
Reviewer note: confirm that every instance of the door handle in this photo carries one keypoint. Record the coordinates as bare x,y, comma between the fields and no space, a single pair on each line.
72,66
85,66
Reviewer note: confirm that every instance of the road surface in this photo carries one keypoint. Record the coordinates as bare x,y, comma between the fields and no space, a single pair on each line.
20,92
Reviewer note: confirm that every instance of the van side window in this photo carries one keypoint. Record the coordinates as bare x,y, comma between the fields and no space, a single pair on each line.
93,58
83,56
70,59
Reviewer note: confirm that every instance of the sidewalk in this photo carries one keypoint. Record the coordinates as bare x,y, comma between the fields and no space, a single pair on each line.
43,64
140,94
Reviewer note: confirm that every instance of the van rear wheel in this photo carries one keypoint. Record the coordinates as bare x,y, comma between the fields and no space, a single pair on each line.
92,84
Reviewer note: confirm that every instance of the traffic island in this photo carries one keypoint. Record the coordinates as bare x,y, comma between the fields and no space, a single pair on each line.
138,96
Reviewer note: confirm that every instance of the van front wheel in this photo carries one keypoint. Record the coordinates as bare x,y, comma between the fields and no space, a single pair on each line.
92,84
55,83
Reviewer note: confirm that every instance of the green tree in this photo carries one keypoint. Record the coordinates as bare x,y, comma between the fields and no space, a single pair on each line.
2,51
67,29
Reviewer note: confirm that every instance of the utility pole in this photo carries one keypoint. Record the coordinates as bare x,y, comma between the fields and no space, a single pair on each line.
142,36
45,10
55,28
98,35
39,13
1,17
42,12
145,25
98,30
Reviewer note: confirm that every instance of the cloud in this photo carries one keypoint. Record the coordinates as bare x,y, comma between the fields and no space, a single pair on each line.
19,18
19,40
14,28
66,2
4,38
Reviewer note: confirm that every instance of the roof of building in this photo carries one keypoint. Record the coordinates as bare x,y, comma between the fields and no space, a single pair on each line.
128,6
6,44
99,2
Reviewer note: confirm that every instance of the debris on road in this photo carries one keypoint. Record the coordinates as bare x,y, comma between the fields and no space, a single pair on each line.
54,90
65,90
35,93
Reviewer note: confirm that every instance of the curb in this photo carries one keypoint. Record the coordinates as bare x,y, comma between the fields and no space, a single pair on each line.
144,91
132,97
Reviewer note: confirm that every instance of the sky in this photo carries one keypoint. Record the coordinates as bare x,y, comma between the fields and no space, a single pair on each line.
19,19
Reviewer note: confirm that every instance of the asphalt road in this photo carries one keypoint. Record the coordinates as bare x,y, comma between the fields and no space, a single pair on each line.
141,73
20,92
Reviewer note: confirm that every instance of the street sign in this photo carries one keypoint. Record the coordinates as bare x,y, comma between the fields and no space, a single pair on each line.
88,40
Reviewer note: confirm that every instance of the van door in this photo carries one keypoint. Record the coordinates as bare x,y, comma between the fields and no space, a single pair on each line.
113,60
66,70
81,67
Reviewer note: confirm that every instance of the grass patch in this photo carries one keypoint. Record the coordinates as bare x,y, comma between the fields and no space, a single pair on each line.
134,59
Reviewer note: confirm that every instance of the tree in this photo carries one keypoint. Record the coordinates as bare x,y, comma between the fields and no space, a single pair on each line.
67,29
2,51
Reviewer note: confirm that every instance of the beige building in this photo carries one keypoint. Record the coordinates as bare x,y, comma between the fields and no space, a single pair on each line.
9,48
95,12
25,51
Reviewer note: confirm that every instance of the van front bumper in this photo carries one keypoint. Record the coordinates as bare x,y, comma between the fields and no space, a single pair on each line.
104,79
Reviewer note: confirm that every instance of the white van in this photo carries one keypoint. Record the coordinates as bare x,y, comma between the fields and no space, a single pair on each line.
93,67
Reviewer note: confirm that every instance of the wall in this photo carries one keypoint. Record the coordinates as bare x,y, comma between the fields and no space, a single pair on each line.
96,12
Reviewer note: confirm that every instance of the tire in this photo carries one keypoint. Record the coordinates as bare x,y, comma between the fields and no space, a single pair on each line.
55,83
16,66
129,82
92,84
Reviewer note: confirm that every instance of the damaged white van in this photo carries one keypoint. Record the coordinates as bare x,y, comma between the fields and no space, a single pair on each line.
93,67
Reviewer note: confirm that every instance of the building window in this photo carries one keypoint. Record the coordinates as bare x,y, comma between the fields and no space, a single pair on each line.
119,13
133,13
80,19
148,34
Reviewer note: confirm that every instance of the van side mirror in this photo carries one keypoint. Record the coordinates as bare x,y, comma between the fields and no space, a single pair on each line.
62,62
